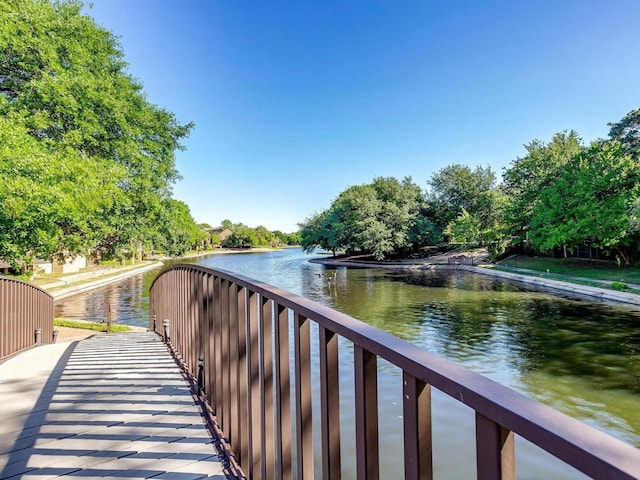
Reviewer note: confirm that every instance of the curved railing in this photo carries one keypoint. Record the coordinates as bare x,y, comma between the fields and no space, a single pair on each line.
234,333
26,316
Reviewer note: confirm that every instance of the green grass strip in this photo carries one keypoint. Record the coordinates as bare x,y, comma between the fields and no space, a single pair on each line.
99,327
576,281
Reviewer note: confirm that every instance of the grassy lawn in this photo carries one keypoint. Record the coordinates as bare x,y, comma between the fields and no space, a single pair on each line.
99,327
576,267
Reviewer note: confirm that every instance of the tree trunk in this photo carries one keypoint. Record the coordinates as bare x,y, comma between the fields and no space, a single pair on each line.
624,256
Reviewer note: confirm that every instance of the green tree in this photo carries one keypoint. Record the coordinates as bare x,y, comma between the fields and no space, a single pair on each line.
178,230
242,237
527,176
634,217
64,85
627,132
423,231
457,187
378,218
263,237
461,198
465,229
50,201
227,224
591,201
315,231
293,239
280,238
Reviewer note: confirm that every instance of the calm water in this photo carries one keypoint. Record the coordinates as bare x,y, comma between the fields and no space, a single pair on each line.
579,356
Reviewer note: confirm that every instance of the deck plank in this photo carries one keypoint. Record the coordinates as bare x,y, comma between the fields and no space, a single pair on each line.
111,406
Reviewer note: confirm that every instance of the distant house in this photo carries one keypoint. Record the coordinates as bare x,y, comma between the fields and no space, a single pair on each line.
222,233
70,264
57,265
44,267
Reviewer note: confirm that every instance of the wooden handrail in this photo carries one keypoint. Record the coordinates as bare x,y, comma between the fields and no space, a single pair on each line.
239,324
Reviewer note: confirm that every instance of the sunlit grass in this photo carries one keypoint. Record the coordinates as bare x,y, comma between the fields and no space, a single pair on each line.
576,267
99,327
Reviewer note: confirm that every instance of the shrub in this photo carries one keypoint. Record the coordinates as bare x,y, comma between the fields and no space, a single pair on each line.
619,286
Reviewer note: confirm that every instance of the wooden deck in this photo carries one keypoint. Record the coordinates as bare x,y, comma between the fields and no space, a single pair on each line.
112,406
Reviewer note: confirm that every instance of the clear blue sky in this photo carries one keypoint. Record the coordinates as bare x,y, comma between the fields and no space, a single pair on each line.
294,101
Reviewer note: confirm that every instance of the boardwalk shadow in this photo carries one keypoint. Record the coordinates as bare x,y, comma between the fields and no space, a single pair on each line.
114,407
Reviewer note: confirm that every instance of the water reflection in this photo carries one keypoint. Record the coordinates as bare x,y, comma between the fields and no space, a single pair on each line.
546,346
128,300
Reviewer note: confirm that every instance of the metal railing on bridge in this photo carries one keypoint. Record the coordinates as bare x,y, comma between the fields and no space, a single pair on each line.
26,316
236,333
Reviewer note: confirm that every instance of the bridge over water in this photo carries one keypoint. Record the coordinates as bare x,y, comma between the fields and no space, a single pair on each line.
263,369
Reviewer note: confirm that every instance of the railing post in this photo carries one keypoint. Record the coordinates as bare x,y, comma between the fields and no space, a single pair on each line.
418,448
108,318
201,390
495,451
304,436
282,394
253,376
154,322
366,398
55,336
329,404
166,332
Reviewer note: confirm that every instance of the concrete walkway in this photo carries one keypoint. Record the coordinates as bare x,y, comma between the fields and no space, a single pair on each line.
111,406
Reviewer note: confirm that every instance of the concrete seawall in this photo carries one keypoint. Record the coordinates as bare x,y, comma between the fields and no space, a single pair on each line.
558,285
84,286
597,292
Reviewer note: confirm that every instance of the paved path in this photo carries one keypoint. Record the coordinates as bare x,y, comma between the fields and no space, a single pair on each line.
112,406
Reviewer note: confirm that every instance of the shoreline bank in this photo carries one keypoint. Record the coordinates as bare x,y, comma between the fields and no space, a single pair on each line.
558,285
79,283
58,293
218,251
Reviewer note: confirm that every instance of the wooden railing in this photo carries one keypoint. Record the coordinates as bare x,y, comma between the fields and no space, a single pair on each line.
234,333
26,316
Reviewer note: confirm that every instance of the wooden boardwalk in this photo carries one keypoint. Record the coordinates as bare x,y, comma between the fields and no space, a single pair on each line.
112,406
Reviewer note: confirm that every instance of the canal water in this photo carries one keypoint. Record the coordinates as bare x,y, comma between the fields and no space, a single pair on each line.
577,355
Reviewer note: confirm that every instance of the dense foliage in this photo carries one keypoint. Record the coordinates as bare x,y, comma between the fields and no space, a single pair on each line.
382,217
87,161
590,202
560,195
248,237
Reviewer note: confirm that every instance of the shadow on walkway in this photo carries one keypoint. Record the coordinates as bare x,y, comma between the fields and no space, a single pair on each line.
114,406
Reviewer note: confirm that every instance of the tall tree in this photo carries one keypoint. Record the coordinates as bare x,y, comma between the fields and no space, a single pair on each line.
227,224
50,201
528,175
379,218
64,84
627,132
590,201
315,231
178,231
457,187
